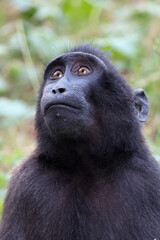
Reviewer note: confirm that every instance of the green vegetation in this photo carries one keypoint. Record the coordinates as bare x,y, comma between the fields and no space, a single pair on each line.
34,31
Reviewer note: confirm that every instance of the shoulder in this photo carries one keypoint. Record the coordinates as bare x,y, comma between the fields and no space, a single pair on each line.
24,169
31,175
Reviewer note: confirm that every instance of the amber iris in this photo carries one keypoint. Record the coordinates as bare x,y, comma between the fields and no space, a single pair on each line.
57,74
83,71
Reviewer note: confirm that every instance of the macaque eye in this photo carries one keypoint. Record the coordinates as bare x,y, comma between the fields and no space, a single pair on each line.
83,71
57,74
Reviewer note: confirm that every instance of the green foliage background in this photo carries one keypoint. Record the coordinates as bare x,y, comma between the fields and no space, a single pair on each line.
34,31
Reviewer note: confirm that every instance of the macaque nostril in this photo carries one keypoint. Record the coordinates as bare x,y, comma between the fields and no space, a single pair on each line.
58,90
61,90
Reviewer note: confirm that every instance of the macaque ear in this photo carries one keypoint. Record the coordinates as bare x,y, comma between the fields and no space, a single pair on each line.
141,105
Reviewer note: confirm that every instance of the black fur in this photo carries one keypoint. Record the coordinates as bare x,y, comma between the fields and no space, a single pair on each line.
99,182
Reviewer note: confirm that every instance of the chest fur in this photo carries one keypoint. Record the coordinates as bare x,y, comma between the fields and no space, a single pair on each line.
73,211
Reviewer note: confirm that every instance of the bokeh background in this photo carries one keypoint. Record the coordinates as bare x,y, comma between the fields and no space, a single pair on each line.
34,31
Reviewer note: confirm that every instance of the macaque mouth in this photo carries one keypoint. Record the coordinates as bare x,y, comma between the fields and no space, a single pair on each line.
61,105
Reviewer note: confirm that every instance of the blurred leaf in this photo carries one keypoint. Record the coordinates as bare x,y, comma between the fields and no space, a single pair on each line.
2,194
3,85
22,5
45,44
3,179
12,111
12,158
77,13
126,46
151,8
29,13
100,3
155,150
18,72
49,12
140,9
3,50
